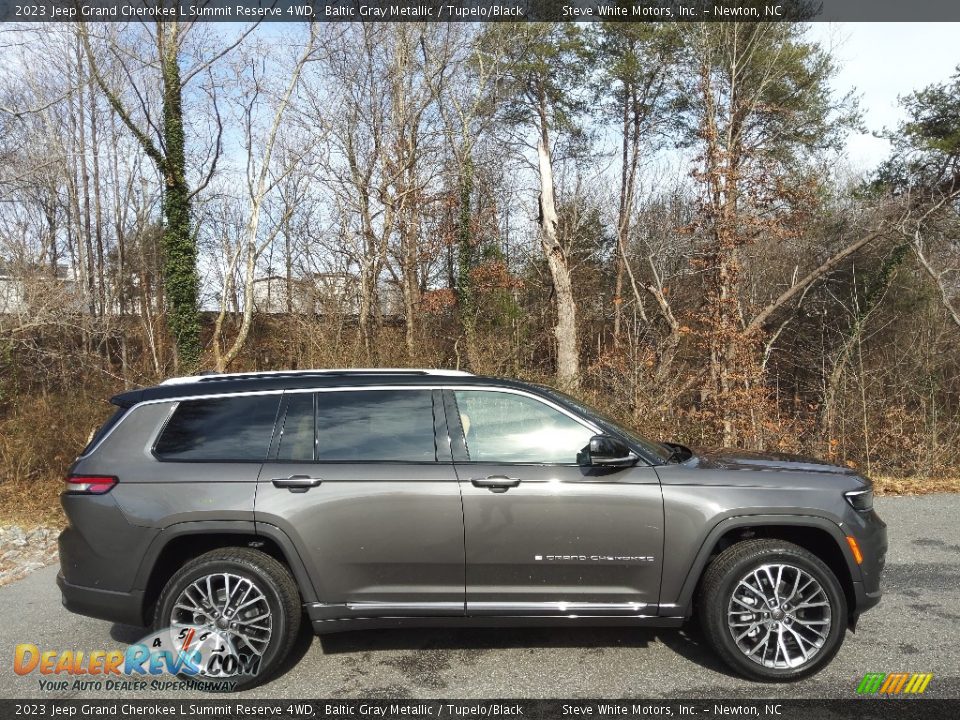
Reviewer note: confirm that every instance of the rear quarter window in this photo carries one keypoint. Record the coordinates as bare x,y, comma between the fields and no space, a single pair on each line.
231,429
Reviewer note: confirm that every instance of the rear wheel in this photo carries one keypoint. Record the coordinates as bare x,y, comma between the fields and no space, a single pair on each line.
239,607
772,610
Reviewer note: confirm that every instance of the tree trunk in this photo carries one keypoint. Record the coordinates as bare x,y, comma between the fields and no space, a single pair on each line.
630,157
466,298
254,246
288,266
729,348
51,217
181,283
97,203
86,229
411,289
365,311
568,360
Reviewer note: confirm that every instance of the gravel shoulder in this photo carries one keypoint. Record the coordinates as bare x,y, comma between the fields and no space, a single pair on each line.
915,629
25,549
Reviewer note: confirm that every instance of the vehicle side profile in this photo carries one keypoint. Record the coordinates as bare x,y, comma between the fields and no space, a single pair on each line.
247,504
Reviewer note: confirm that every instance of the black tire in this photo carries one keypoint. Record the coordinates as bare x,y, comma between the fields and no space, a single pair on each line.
714,599
268,575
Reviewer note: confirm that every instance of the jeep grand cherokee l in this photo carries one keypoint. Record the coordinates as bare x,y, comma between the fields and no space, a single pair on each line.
247,504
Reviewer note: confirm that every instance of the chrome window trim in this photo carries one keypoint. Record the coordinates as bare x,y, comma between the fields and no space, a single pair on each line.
360,388
163,426
545,401
350,388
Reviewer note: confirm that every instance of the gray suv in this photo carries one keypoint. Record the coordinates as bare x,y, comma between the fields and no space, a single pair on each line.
248,504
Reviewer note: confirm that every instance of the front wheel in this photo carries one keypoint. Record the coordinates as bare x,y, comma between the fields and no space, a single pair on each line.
772,610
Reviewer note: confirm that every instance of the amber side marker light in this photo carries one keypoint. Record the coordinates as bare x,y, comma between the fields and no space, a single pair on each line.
855,549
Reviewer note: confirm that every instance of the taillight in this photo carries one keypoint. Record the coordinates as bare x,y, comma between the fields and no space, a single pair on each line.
90,484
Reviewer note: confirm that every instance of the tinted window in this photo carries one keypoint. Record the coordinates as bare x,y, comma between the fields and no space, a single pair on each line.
297,433
234,428
503,427
375,425
655,449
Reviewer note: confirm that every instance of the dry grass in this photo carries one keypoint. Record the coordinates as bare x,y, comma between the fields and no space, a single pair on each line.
915,485
28,503
40,436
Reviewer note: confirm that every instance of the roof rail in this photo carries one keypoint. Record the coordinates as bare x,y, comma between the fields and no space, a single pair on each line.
214,377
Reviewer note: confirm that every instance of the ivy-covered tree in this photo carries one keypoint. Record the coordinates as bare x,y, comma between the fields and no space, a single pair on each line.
164,141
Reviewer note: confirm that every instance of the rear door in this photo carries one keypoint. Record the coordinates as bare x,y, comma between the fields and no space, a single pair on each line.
361,480
545,536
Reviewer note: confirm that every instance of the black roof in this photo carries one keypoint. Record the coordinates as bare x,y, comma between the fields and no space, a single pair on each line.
215,384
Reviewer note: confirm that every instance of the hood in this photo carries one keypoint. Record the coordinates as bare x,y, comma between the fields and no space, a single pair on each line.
735,459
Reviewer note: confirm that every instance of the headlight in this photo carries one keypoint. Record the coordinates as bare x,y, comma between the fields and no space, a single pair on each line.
860,500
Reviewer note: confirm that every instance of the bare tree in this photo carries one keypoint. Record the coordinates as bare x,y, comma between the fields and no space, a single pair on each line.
263,175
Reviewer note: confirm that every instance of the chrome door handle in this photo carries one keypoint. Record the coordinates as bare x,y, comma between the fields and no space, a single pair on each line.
496,483
297,483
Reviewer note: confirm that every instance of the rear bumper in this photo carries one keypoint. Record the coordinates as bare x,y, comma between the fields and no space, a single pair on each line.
119,607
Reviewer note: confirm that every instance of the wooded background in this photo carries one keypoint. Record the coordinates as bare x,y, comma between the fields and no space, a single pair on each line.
657,218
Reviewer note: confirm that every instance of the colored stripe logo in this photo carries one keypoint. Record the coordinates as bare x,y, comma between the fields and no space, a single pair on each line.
894,683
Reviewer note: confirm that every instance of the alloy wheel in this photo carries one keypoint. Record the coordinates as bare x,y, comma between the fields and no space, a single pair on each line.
228,605
779,616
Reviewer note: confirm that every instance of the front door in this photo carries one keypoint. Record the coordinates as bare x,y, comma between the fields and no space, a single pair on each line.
359,483
545,536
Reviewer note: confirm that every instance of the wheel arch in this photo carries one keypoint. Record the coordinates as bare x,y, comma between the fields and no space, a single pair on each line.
181,542
820,536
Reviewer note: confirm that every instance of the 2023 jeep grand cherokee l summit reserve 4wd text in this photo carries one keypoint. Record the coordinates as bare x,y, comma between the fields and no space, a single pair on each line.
245,504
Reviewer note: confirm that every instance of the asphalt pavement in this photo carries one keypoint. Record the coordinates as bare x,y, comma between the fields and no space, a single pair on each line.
916,628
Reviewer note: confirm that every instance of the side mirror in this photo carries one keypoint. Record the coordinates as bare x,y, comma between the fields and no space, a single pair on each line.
606,450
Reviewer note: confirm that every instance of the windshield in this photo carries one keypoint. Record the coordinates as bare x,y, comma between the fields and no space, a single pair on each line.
653,449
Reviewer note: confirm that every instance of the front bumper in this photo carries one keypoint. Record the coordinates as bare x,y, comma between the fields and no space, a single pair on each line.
871,535
866,599
119,607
